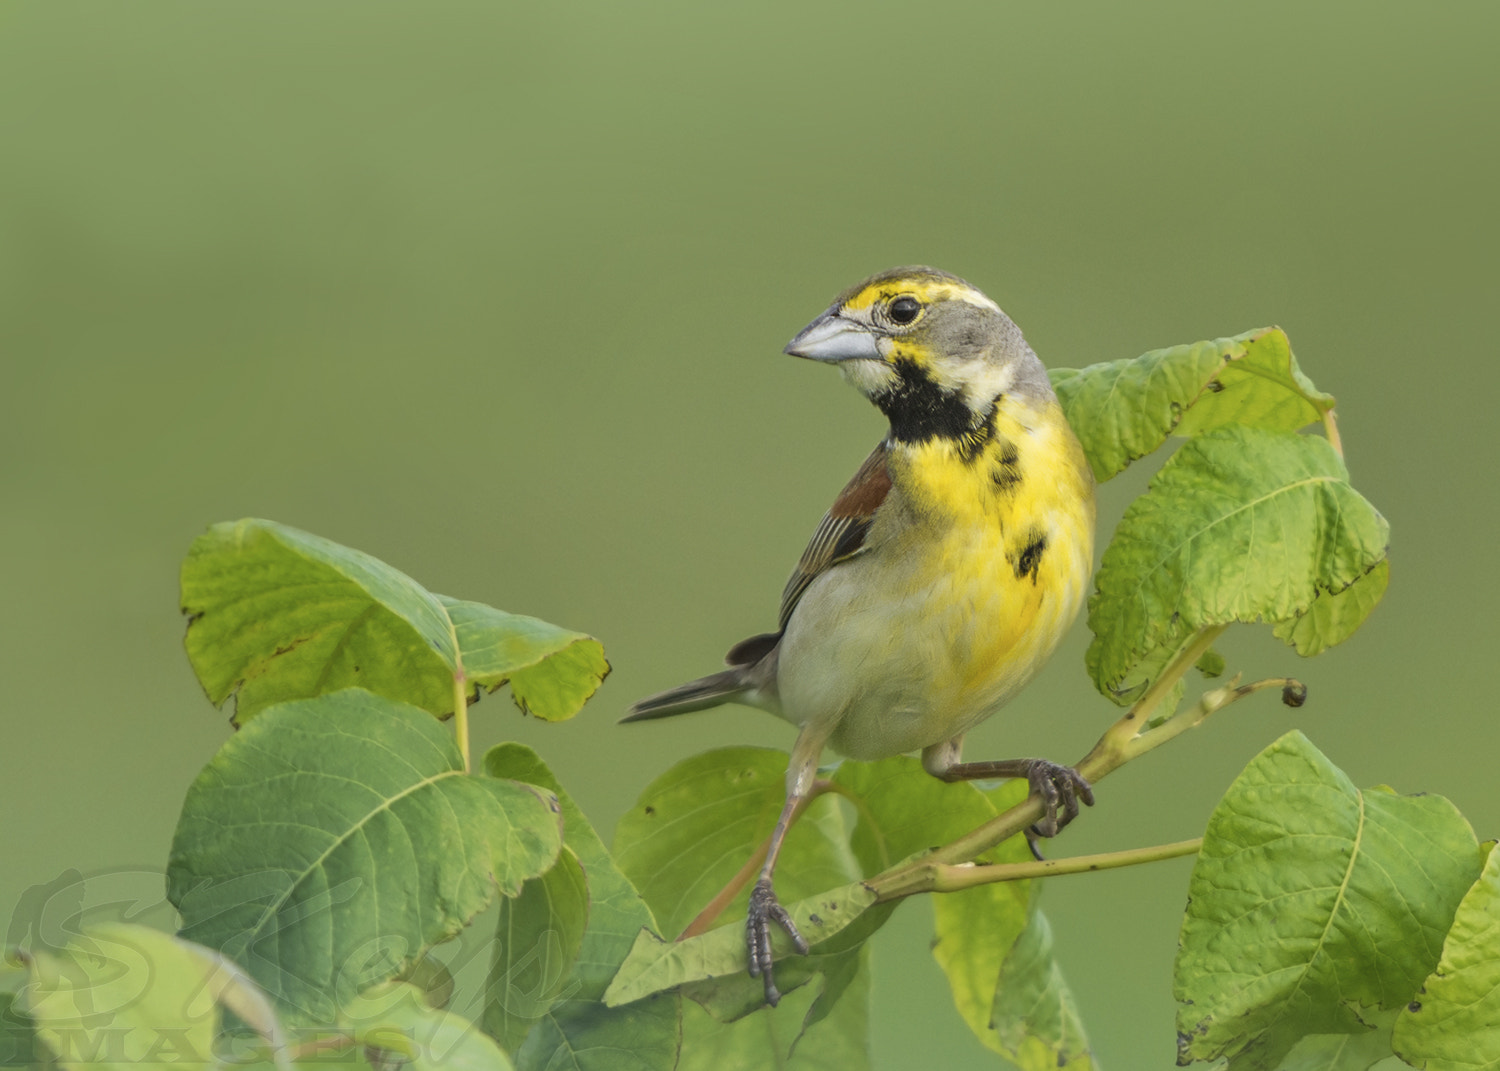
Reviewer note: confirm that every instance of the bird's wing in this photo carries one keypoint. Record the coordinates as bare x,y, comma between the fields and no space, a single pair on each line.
841,535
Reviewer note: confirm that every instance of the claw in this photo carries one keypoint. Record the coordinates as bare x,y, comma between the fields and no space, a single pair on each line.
765,909
1056,785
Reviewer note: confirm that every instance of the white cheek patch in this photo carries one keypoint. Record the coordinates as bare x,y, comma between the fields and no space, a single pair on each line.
868,377
984,381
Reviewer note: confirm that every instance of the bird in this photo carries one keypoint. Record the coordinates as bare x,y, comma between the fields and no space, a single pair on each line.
945,573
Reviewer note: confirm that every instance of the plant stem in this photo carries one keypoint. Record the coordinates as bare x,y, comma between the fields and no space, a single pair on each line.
1195,715
1110,752
948,877
461,715
460,697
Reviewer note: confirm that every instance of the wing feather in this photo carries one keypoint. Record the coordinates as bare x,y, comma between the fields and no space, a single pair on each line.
841,534
839,537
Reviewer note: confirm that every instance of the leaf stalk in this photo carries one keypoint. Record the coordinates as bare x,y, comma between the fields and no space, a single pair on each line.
461,716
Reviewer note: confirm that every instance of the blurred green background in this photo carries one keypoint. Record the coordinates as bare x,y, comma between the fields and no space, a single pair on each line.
497,293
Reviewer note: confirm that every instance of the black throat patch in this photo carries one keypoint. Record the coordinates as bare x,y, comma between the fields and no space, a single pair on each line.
919,410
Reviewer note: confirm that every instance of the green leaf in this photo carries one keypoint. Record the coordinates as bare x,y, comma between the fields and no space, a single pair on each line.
1261,385
1343,1052
579,1035
393,1018
120,995
974,932
1034,1016
780,1037
1124,410
282,614
1241,524
552,671
1211,664
333,840
537,941
1334,615
279,614
1310,902
1454,1023
579,1032
695,828
657,964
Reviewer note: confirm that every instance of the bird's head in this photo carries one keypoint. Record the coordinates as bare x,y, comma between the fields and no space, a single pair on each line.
933,352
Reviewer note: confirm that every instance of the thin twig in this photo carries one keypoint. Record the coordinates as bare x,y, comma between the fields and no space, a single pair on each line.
948,877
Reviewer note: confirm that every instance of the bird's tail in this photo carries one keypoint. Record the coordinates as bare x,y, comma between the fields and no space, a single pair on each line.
710,691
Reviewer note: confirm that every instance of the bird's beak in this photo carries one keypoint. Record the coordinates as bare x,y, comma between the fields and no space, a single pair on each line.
832,338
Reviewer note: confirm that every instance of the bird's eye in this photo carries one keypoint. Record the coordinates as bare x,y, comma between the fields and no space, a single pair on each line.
904,309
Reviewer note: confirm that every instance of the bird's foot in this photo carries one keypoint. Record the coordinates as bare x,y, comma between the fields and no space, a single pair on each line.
1060,787
765,909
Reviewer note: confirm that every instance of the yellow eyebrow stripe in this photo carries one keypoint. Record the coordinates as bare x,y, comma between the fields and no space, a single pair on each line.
928,291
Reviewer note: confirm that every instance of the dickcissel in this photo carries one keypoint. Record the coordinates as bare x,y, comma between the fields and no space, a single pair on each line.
946,571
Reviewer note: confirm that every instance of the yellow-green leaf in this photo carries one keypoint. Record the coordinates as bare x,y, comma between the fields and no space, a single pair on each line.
1311,904
119,995
1123,410
279,614
1453,1024
552,671
1241,524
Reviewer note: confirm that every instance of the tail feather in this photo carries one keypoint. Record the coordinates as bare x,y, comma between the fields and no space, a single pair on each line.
704,692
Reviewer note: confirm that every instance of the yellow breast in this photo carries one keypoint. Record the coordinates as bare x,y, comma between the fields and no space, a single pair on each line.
1010,532
978,563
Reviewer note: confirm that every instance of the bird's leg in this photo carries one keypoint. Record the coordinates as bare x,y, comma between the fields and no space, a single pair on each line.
1058,786
764,907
